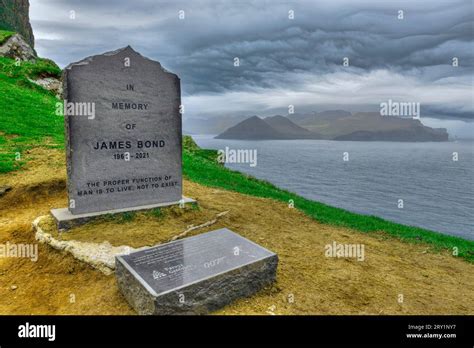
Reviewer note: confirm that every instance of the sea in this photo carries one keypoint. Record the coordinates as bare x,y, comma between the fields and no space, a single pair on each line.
427,184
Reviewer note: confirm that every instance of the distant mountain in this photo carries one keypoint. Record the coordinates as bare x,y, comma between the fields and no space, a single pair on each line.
342,125
276,127
335,125
308,120
413,134
290,130
253,128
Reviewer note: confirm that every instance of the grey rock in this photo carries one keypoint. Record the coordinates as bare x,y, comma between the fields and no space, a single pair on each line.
51,84
195,275
16,47
4,189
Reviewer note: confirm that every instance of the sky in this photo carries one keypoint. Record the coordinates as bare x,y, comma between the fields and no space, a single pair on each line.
284,60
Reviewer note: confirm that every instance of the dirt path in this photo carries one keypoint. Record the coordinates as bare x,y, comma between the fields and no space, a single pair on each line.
308,281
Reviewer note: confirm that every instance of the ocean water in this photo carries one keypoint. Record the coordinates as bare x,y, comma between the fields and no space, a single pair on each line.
437,192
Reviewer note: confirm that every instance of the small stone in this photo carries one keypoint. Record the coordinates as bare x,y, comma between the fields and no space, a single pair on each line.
13,287
49,83
4,189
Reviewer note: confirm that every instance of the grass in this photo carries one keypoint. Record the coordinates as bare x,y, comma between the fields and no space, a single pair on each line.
200,166
127,216
5,35
157,213
27,111
22,70
27,119
119,218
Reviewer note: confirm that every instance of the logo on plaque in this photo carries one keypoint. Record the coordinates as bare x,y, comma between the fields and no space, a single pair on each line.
158,275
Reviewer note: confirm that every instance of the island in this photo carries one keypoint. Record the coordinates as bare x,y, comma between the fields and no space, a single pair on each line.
335,125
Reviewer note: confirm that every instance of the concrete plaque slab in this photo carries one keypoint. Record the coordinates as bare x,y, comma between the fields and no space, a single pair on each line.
194,275
65,220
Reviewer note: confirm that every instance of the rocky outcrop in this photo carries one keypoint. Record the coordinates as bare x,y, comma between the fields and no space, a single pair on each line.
14,16
17,48
51,84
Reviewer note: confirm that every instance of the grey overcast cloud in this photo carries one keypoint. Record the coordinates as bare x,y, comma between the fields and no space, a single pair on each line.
283,61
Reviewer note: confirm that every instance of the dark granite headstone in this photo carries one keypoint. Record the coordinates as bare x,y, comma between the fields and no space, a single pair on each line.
123,136
123,130
194,275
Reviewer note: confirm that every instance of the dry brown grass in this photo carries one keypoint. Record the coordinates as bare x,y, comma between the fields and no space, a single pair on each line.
431,283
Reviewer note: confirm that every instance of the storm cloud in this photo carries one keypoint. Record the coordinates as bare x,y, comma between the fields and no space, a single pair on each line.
283,61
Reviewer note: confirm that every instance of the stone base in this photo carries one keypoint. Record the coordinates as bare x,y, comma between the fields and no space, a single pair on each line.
194,275
66,220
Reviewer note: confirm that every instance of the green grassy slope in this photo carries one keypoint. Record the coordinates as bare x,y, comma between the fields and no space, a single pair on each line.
201,166
27,111
27,118
5,35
